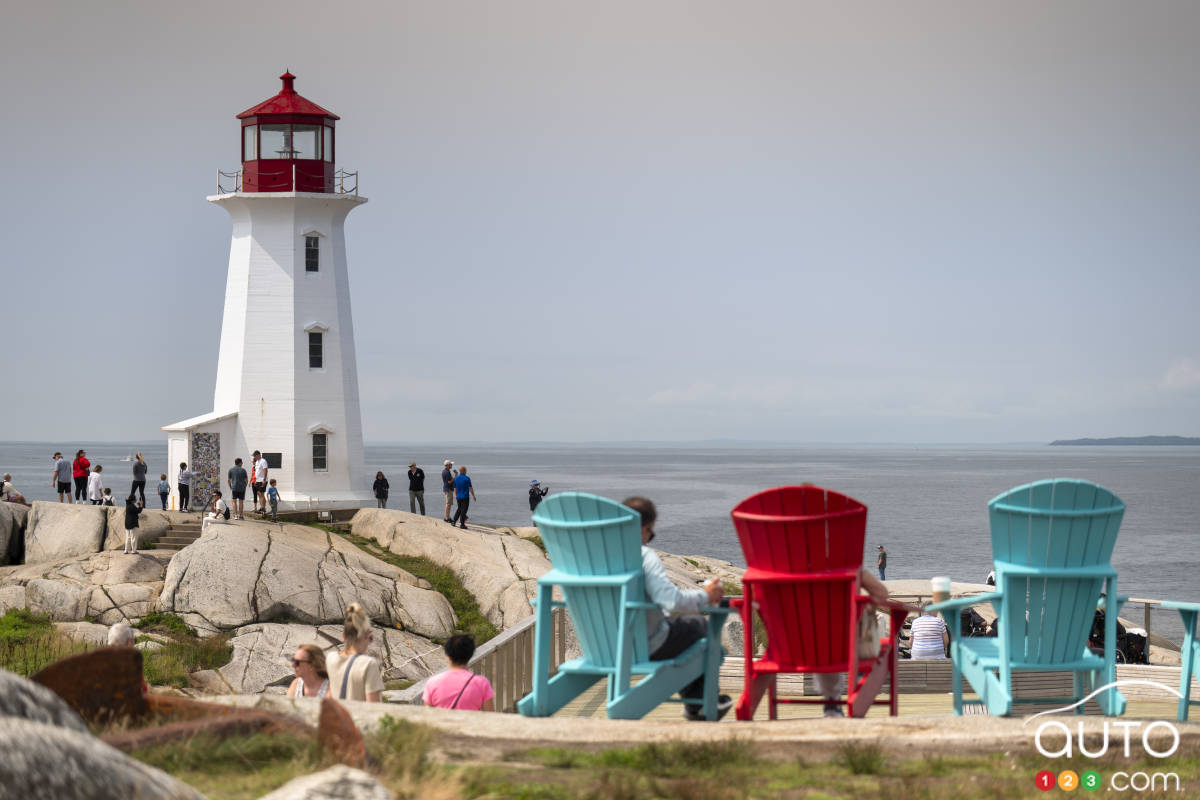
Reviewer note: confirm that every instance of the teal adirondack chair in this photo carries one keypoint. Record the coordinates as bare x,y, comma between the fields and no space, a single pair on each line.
1052,542
595,546
1190,655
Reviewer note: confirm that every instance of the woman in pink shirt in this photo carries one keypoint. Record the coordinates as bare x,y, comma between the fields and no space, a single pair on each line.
458,687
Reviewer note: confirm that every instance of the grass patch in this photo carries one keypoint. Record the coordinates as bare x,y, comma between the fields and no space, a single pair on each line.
397,685
171,664
538,541
470,619
861,758
20,625
245,767
666,759
166,623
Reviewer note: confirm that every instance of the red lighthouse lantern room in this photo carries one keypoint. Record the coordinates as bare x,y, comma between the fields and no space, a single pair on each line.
287,144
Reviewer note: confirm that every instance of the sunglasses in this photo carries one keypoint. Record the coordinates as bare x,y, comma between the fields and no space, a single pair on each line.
296,661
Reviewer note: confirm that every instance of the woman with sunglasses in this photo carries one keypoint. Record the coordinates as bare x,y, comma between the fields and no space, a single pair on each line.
312,679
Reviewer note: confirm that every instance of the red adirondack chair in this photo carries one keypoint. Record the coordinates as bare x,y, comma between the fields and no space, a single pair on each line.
804,550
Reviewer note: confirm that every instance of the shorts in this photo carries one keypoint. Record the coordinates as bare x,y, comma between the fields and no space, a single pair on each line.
64,487
260,488
238,494
449,497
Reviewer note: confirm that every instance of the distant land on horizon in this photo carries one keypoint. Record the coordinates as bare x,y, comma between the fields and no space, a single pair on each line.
1132,440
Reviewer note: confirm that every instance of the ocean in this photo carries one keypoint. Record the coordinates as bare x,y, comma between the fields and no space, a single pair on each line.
927,503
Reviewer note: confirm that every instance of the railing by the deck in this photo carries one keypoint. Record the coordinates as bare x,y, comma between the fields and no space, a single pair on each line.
507,660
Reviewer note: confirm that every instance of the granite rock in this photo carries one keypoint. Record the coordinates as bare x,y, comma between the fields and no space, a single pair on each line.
13,517
40,760
152,525
247,572
336,783
109,586
61,530
23,699
498,568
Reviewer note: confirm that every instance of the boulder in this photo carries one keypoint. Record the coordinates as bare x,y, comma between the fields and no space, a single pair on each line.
492,565
262,655
12,527
85,632
109,586
23,699
336,783
247,572
151,526
40,760
61,530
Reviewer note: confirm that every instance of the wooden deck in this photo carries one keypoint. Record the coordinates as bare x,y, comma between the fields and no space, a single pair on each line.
924,691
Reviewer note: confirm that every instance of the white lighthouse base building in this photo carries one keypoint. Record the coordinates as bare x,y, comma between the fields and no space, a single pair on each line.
287,380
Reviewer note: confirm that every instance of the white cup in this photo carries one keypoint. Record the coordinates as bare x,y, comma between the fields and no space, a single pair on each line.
941,588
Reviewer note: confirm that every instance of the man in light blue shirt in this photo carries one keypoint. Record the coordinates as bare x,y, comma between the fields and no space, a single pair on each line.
670,636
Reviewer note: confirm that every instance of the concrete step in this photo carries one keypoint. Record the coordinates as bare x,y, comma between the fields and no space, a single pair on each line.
179,541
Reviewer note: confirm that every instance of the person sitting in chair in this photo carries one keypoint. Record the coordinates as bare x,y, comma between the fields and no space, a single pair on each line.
830,684
670,636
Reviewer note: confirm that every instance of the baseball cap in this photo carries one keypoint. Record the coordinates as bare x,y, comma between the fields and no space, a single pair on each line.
412,463
533,483
447,463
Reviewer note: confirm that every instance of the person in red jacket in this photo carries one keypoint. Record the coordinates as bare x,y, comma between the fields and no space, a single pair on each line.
80,469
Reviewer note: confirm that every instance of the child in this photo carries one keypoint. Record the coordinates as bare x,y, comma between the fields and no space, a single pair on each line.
107,501
273,496
164,489
132,509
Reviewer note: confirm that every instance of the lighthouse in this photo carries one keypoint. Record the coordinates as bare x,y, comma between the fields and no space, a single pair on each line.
287,381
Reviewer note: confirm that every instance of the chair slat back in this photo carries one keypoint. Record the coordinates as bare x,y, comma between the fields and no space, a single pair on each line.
1061,524
590,536
800,530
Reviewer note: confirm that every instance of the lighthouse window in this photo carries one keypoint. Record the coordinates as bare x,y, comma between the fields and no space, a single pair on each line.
327,149
320,452
276,141
312,253
316,350
306,140
250,143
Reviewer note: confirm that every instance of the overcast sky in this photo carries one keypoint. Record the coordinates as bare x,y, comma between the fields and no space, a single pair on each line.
837,222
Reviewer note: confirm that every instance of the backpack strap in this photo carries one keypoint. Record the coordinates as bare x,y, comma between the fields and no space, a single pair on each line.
346,676
463,689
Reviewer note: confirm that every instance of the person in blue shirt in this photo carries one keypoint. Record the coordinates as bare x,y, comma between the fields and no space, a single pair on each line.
273,498
670,636
464,492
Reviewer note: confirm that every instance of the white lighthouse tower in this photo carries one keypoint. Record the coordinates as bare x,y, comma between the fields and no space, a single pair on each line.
287,381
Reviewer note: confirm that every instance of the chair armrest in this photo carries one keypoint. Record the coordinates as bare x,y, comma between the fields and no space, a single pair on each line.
558,578
641,604
1179,606
715,610
759,575
965,602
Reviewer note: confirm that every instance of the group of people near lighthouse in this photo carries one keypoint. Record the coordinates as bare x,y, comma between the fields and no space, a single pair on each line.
257,479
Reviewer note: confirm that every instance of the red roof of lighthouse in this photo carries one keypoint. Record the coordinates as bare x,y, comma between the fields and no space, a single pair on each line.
287,102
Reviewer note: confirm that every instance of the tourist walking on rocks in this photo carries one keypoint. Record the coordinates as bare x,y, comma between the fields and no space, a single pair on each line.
184,481
273,498
8,492
458,687
80,468
536,493
260,466
61,477
139,478
416,488
354,675
881,563
465,493
670,636
95,487
448,486
312,676
237,480
164,490
380,488
132,509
